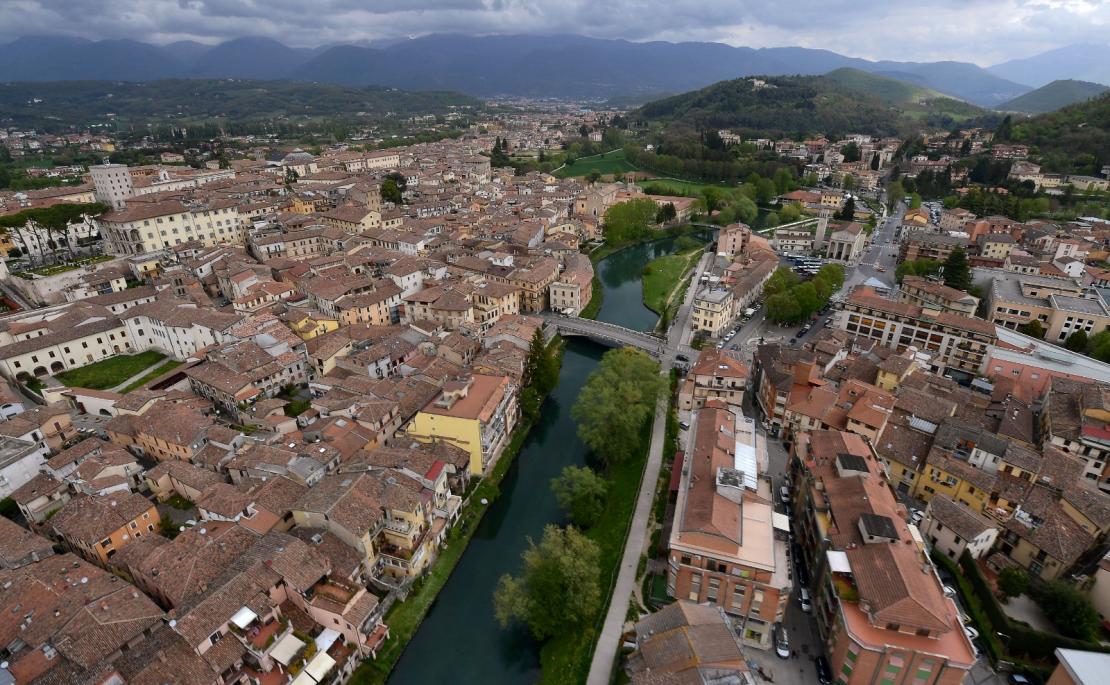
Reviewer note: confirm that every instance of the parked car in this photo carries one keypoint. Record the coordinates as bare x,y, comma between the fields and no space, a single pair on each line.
949,591
782,642
804,600
684,425
824,671
971,632
784,494
681,358
1019,679
916,515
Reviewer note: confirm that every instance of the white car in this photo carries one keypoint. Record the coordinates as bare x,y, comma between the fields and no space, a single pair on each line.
804,600
971,632
784,494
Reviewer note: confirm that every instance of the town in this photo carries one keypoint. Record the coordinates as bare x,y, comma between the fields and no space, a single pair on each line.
390,407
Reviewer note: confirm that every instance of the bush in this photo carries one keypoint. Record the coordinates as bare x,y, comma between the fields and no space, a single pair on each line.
1068,609
1013,582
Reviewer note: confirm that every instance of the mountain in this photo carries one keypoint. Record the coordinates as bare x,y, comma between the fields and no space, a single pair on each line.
1074,139
251,58
543,66
1086,62
1054,96
844,101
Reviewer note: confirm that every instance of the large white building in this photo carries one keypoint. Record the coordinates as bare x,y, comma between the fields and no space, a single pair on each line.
113,184
147,226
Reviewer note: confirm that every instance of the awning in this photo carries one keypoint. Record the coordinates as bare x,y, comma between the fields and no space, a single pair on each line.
780,521
838,561
286,649
319,666
243,617
326,639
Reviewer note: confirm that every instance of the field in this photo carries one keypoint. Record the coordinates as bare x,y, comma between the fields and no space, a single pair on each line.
110,372
662,275
612,162
671,186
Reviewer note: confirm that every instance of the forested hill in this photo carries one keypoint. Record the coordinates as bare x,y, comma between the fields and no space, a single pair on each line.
49,105
1075,139
1053,96
845,101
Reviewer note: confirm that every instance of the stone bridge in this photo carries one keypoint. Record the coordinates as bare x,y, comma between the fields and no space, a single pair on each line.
605,333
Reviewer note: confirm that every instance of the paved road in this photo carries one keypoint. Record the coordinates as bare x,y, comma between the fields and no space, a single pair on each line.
605,654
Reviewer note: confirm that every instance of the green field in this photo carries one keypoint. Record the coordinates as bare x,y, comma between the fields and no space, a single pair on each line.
662,275
608,163
161,369
109,372
670,186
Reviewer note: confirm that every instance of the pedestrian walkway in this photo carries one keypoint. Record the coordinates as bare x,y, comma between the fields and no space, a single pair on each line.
609,641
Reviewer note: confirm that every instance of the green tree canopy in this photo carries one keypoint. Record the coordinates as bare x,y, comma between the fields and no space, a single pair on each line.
915,201
580,492
559,588
851,152
1077,342
54,217
957,271
1033,329
848,211
1013,581
1069,609
391,192
626,221
617,400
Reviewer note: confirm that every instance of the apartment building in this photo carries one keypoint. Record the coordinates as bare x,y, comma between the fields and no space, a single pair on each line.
477,414
723,548
953,529
954,341
148,225
716,375
712,311
1076,419
1061,305
98,527
877,599
917,245
930,293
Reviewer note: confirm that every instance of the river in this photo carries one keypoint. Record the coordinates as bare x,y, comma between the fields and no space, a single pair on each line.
460,641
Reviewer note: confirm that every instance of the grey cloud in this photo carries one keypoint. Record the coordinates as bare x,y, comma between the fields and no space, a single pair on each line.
982,31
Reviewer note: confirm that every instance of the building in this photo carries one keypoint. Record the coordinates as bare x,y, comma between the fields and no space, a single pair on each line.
794,241
712,312
1076,419
477,414
953,528
954,341
723,549
929,293
1077,667
716,375
877,599
98,527
733,239
148,225
846,242
113,184
995,245
917,245
686,642
1062,306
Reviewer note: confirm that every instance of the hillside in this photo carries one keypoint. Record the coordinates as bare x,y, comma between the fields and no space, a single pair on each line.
1053,96
843,102
548,66
81,103
1075,139
1085,62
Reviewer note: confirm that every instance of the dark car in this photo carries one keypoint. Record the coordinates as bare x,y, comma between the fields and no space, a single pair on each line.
824,671
681,358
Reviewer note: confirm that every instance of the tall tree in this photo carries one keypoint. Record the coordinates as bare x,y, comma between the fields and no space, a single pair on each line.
848,211
957,272
559,589
580,492
616,401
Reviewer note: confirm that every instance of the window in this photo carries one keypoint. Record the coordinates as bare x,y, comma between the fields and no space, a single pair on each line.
106,543
695,587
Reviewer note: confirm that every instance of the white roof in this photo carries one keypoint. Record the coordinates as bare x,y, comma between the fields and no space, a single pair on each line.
319,666
243,617
1085,668
286,649
838,561
326,639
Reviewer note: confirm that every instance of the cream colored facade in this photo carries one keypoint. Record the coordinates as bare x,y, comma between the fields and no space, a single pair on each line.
135,232
712,311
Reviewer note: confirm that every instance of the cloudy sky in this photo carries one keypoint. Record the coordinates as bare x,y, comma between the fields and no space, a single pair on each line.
980,31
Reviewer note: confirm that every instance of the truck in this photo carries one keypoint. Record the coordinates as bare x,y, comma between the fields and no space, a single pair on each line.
749,312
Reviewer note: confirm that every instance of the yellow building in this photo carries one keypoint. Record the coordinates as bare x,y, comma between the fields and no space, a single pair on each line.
477,415
712,311
965,484
309,325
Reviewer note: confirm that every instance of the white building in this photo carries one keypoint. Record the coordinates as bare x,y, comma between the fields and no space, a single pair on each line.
952,528
113,184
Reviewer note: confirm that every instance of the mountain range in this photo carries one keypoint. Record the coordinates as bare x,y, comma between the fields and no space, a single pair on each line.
524,65
1053,96
540,66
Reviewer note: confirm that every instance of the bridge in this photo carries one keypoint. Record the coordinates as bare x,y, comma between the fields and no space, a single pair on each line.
605,333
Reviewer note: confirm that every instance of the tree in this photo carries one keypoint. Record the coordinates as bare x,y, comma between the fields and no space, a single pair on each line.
895,192
713,198
1068,609
1013,581
594,176
1077,341
848,211
291,176
915,201
666,213
583,131
390,192
580,491
957,272
771,219
782,307
559,589
1033,329
848,182
626,221
617,400
542,369
851,152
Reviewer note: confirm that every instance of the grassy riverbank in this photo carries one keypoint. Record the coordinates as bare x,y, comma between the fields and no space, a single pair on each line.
565,660
404,618
663,275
